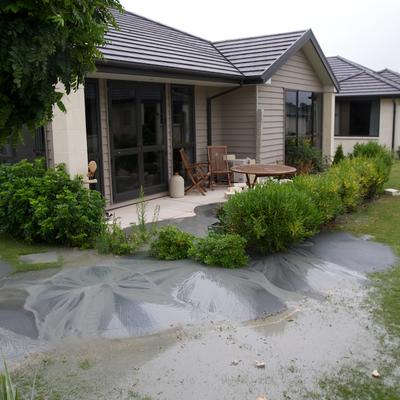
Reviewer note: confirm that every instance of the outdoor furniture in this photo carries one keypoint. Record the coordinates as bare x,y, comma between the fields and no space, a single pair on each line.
263,170
218,162
197,173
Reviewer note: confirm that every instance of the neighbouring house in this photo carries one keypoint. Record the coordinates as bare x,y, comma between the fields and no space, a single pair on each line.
367,105
159,89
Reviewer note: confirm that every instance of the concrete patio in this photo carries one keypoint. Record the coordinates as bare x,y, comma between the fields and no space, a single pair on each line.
170,208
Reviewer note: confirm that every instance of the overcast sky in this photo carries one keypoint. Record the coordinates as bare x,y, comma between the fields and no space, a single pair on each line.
365,31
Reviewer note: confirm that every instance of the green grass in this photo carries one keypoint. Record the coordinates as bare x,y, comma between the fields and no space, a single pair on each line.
380,218
11,249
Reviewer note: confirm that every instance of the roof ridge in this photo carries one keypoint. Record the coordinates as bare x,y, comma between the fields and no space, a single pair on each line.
389,70
383,79
228,60
287,50
259,36
352,76
165,25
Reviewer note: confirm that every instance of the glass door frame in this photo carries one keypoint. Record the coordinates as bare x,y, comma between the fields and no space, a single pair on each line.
140,149
99,155
190,146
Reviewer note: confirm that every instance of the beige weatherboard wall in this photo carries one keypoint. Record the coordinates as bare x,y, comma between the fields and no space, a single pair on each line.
385,136
297,73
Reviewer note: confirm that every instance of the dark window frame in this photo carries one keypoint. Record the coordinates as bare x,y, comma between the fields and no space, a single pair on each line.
140,149
192,144
38,149
370,99
100,166
313,100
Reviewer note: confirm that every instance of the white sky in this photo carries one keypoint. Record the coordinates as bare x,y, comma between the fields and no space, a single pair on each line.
365,31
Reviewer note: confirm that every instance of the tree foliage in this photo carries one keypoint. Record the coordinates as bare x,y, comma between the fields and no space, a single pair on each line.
43,42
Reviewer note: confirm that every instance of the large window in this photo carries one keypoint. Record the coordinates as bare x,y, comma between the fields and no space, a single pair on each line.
357,117
304,117
183,135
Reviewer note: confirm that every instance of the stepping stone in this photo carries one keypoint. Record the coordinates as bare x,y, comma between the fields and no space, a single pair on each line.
5,268
392,192
39,258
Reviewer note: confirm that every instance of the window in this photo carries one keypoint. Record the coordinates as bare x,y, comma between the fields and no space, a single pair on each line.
357,118
304,117
32,146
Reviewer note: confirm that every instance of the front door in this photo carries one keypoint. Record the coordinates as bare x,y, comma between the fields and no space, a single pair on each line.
137,131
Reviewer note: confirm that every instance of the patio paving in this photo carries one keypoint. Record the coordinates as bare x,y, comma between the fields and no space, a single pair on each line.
170,208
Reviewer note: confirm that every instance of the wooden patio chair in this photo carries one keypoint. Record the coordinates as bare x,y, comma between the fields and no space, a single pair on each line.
218,160
198,173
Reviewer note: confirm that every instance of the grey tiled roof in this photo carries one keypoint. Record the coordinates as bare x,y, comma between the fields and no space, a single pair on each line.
147,46
391,75
357,80
143,42
253,56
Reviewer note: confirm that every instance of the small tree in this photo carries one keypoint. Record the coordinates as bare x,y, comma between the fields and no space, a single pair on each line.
339,155
42,43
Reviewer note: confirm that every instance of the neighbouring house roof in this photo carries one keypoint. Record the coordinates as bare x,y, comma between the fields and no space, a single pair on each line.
357,80
144,45
391,75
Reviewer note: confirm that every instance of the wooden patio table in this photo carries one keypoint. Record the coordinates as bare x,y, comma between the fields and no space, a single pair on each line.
263,170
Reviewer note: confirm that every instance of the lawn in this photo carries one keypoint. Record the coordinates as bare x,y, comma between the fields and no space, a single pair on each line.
11,249
381,219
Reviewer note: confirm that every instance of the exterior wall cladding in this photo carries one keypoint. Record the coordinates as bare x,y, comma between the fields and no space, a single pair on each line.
249,120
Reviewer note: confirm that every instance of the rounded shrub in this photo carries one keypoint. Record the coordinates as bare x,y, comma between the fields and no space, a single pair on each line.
45,205
223,250
349,185
324,192
171,243
271,217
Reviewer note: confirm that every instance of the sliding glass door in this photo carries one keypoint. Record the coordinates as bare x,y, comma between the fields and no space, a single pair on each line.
137,131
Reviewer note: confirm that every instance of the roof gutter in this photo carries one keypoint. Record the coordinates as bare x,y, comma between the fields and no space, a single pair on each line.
209,110
394,123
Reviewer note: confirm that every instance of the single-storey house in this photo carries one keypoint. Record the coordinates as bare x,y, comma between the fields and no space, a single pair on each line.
159,89
367,105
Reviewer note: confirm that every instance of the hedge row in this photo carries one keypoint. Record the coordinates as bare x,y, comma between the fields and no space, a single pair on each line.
274,216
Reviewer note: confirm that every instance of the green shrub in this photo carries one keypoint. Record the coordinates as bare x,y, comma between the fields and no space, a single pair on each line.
349,184
227,250
324,192
271,217
373,173
373,150
304,156
171,243
39,205
114,240
339,155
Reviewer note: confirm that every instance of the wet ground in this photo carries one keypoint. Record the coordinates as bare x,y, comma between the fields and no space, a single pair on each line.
123,327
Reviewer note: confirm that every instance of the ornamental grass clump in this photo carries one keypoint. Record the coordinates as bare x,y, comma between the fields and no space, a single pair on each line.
221,250
114,240
171,244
